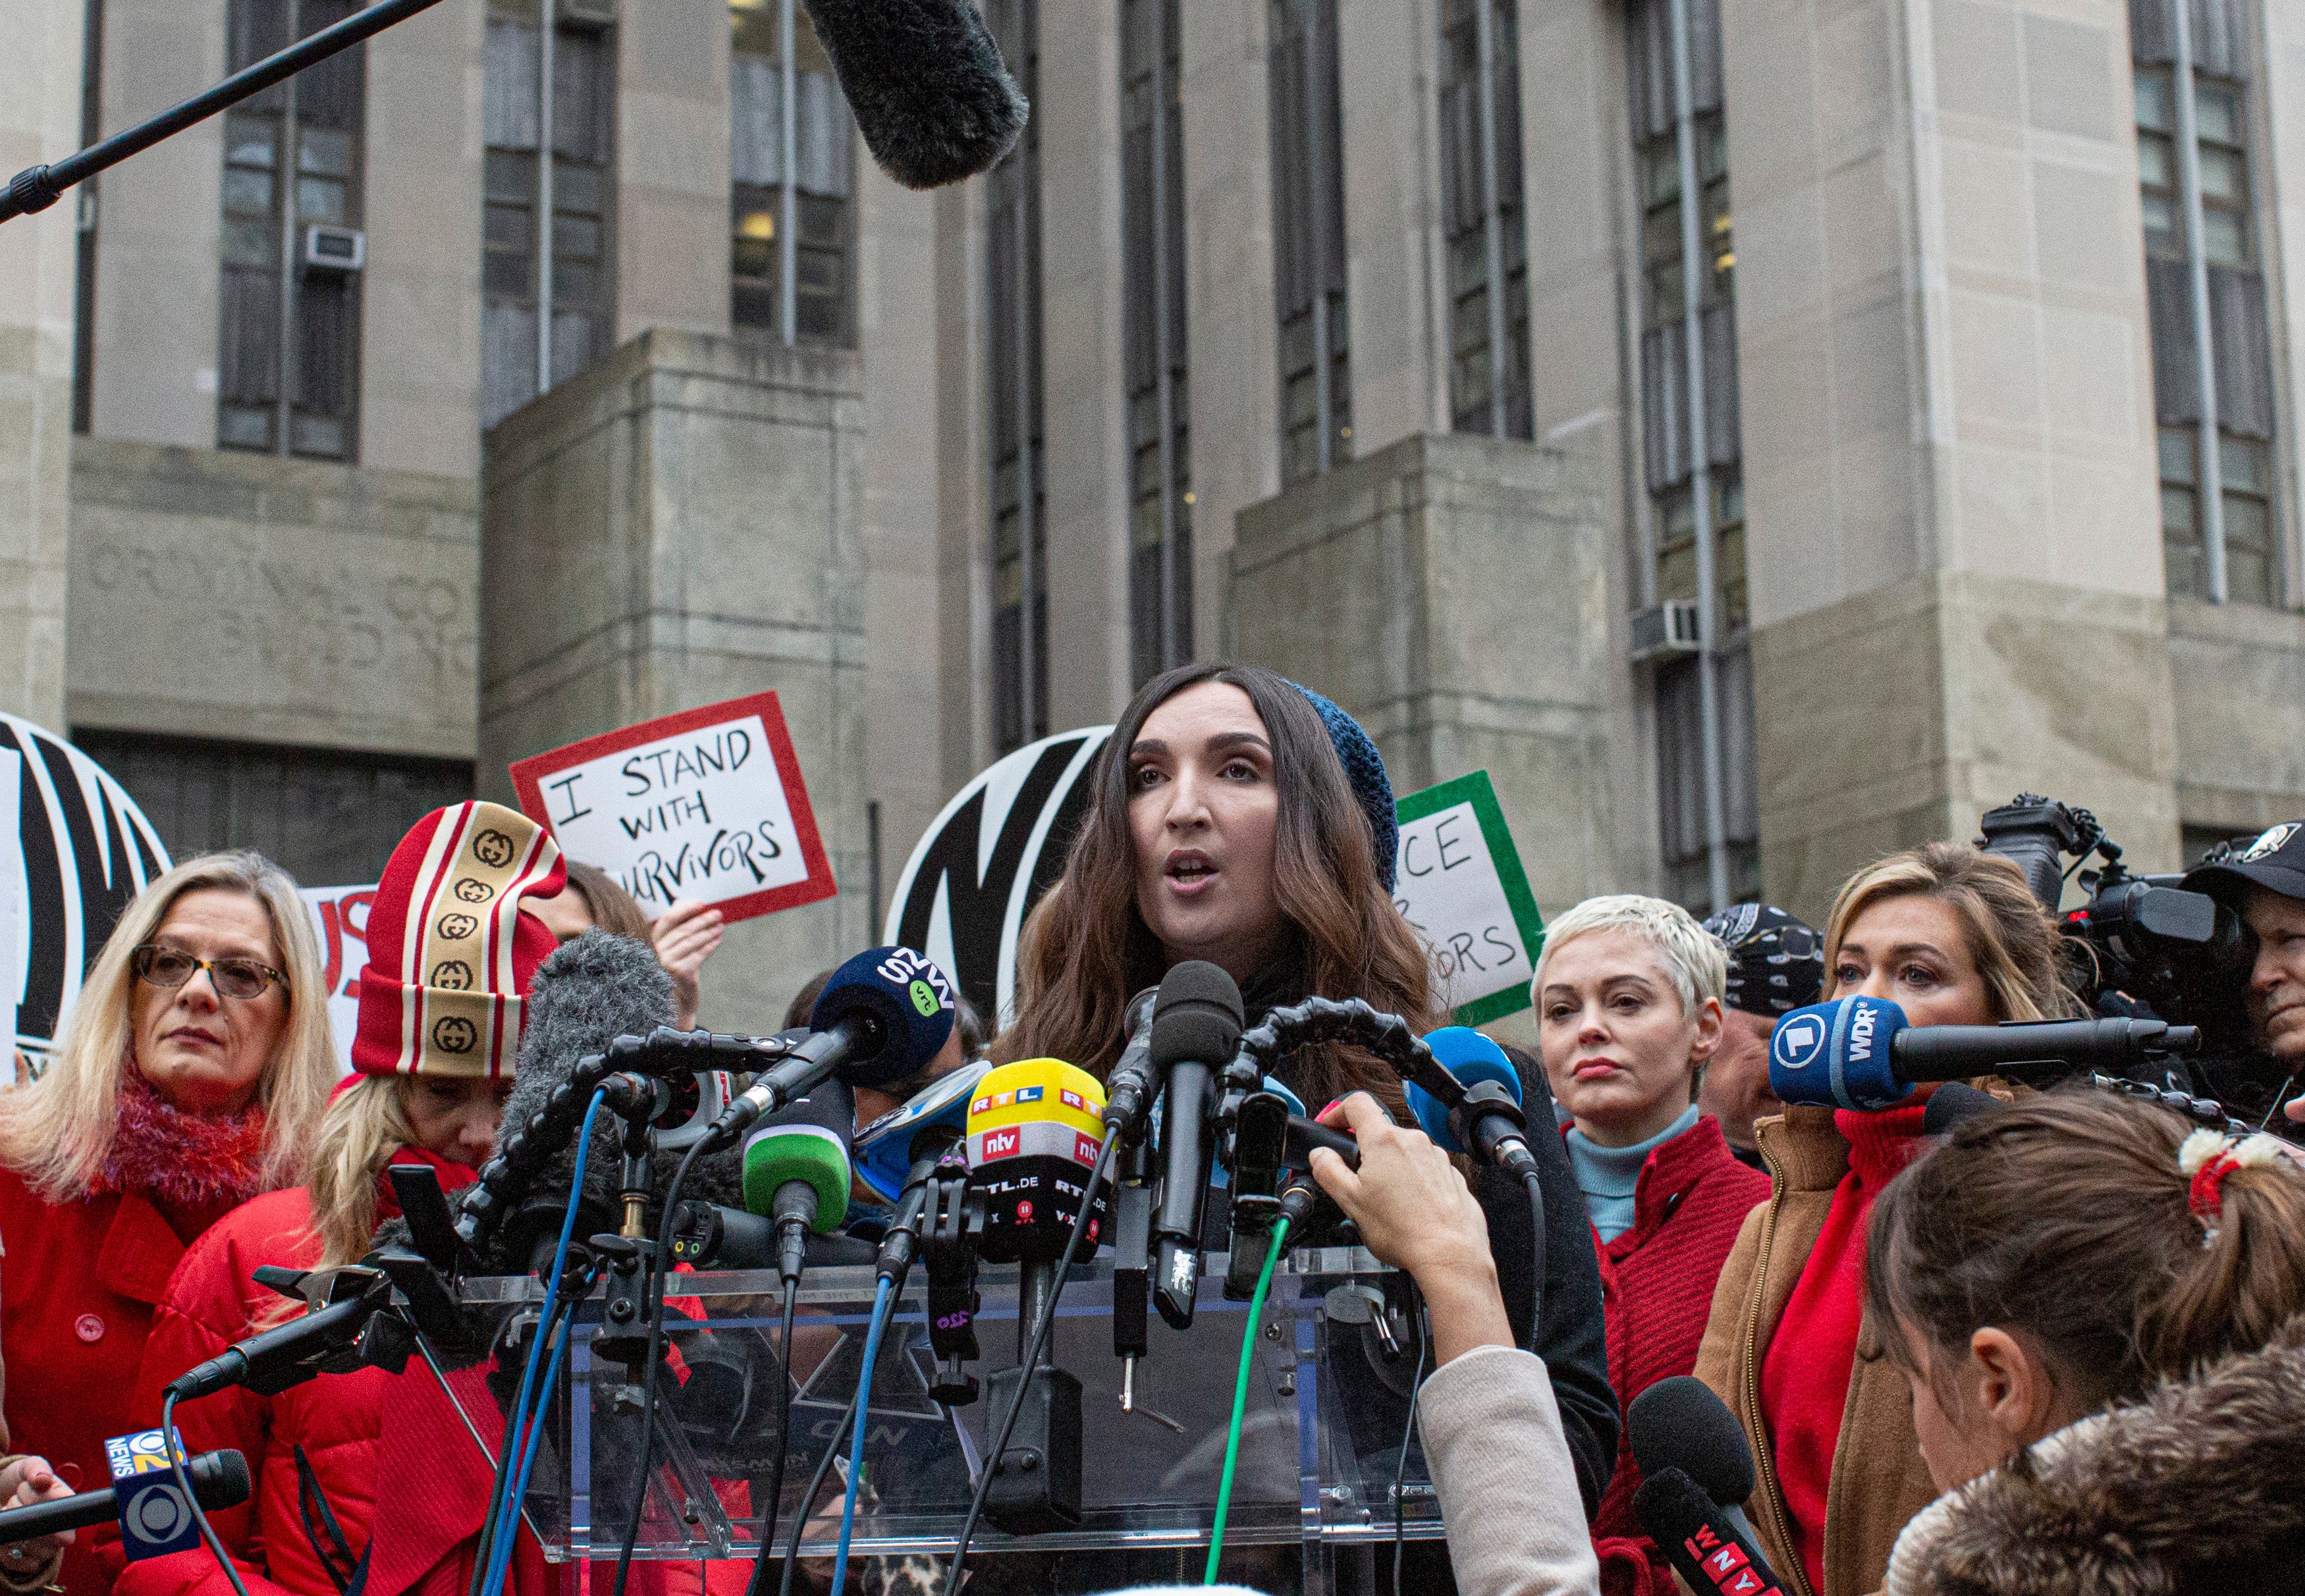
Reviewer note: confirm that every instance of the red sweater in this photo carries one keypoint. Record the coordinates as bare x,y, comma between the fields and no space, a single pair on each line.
1805,1371
1656,1290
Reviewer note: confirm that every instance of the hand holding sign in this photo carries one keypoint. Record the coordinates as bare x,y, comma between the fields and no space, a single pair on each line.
705,805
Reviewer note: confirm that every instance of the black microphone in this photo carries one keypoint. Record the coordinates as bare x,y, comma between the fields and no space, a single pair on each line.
219,1480
1196,1022
883,1016
925,82
797,1169
285,1355
1706,1548
1678,1425
1861,1053
1951,1103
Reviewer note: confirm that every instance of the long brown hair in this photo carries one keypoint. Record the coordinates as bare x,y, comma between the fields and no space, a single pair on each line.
1085,948
2066,1216
2012,941
612,908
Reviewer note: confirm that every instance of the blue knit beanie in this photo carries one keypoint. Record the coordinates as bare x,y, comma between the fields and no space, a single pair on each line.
1365,773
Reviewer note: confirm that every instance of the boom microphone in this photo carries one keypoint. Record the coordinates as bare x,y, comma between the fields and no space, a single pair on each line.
219,1480
1861,1053
926,84
882,1016
1196,1022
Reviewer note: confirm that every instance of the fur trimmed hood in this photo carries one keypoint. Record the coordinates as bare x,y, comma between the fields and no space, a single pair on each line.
2199,1489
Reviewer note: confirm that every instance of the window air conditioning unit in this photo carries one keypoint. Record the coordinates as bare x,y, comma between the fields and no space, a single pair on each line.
335,249
592,13
1664,629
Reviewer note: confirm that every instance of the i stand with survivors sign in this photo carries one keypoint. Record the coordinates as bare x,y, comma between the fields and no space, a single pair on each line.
1460,884
706,804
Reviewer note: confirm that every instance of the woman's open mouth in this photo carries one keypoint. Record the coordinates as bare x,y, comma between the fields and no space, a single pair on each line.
1188,871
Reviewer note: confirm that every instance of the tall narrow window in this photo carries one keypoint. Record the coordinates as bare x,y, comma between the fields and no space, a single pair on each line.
2205,299
791,230
545,291
1020,544
1308,239
1708,787
1481,217
288,368
1153,268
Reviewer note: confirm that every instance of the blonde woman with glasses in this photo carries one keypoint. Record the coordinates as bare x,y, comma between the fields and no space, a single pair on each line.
190,1076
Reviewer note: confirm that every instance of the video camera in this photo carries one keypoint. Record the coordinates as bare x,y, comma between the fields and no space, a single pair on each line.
2141,941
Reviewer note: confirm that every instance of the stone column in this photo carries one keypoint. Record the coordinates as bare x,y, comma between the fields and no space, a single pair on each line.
1082,363
1396,276
39,121
1230,334
1449,591
1949,455
1584,293
159,229
421,294
683,523
672,168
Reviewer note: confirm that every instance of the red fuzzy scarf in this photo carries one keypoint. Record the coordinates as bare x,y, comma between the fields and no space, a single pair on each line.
186,1159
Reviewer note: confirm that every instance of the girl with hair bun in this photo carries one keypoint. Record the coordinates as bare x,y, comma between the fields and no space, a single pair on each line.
1953,937
2097,1310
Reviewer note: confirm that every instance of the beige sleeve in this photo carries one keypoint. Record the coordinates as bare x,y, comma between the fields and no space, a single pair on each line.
1501,1470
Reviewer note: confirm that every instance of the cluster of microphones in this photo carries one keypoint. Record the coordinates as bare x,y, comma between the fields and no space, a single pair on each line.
1024,1163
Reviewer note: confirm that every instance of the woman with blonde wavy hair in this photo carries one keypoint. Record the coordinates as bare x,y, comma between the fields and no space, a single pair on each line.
190,1076
1952,936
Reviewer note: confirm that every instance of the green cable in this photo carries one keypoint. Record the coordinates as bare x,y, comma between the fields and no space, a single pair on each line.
1240,1398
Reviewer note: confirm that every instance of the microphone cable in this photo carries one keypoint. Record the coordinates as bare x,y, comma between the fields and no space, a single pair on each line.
808,1502
1041,1325
654,1273
177,1464
512,1477
1409,1434
884,1302
1240,1395
1537,1281
757,1584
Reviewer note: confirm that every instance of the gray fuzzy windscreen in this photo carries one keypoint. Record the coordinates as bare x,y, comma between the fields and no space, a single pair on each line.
926,83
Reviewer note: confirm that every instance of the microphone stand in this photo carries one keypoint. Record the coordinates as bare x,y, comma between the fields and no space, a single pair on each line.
35,188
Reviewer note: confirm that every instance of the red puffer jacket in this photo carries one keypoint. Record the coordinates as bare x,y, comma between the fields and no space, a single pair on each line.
342,1425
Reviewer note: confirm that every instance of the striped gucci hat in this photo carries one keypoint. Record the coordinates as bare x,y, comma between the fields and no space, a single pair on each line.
450,956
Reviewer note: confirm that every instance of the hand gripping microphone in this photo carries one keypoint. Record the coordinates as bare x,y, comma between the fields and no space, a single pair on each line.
883,1016
1196,1022
219,1480
1861,1053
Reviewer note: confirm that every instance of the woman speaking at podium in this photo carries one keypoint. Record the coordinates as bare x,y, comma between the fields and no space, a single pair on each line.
1236,818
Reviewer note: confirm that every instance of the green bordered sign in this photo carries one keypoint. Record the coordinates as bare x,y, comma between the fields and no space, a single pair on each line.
1460,884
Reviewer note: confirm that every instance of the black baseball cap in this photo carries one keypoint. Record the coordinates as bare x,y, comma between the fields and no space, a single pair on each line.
2276,861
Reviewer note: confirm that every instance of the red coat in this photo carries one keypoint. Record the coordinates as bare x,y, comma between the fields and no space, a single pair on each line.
438,1488
1656,1292
77,1291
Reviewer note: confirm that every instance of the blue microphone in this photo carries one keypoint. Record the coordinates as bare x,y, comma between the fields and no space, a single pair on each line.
1861,1052
882,1016
883,1155
1472,1058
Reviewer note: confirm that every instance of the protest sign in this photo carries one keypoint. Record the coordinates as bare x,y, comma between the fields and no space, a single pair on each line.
704,804
340,919
1462,886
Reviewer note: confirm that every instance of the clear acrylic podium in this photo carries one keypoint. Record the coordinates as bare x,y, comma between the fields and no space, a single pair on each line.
1326,1416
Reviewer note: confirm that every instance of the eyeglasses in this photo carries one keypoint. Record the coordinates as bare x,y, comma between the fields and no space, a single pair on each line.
172,967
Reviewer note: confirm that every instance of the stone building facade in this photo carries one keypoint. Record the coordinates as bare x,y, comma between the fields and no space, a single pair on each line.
1761,434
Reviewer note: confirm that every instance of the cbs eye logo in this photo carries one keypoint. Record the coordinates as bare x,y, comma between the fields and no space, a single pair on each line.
453,975
472,889
454,1033
456,928
493,848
